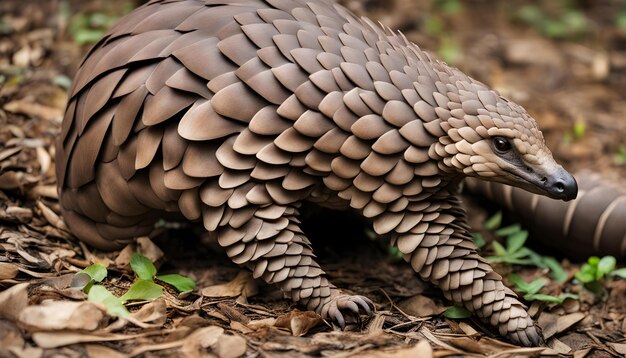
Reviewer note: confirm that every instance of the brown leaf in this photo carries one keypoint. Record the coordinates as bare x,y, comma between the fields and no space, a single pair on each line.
10,181
100,351
33,109
155,312
8,270
565,322
13,301
420,350
64,338
230,346
242,283
146,247
57,315
421,306
51,216
196,343
298,323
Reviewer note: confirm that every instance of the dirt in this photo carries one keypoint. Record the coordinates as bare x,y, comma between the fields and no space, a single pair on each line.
574,85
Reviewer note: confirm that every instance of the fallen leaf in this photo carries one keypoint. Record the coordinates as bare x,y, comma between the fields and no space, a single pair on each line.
230,346
64,338
58,315
565,322
8,270
197,342
147,248
421,306
420,350
618,347
34,109
100,351
155,312
13,301
298,323
234,288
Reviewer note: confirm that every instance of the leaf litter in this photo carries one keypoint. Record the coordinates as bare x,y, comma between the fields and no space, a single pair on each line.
228,314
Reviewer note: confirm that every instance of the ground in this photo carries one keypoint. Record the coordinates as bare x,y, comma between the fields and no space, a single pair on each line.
565,61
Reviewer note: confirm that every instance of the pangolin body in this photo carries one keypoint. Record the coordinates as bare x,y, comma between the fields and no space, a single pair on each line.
232,113
593,224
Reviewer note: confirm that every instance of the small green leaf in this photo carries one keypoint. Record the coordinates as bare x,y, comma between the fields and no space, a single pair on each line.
142,290
516,240
114,306
142,266
543,297
556,270
585,276
457,312
96,271
494,222
536,286
519,283
619,273
498,248
508,230
606,265
181,283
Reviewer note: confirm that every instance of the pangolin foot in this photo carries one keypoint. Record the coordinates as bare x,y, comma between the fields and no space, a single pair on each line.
352,305
531,336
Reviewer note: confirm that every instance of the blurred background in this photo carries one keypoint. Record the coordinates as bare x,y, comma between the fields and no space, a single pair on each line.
564,60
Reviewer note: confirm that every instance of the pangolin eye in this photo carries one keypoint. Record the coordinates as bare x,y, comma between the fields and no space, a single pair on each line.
502,144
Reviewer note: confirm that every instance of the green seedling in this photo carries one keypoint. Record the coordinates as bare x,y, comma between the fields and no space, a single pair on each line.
530,290
143,288
514,251
569,23
596,270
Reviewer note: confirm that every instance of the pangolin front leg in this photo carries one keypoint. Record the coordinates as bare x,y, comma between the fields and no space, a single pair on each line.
268,240
440,249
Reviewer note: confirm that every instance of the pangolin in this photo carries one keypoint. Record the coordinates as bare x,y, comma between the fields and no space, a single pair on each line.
234,112
592,224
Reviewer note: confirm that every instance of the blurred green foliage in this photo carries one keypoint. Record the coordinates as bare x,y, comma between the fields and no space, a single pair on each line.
89,27
568,23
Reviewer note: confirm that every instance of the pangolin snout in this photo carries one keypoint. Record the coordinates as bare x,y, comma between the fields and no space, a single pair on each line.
562,185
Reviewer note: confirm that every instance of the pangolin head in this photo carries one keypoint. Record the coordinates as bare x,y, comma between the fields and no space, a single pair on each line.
495,139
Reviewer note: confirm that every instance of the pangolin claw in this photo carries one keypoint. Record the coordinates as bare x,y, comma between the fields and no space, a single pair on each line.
353,305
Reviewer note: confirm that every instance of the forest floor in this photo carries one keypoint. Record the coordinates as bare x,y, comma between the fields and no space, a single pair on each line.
565,63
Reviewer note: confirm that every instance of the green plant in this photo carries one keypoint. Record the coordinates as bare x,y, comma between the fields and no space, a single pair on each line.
143,288
514,251
568,23
596,270
530,290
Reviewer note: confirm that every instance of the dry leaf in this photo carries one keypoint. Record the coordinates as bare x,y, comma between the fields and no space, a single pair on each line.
100,351
13,301
33,109
51,216
421,306
58,315
196,343
146,247
64,338
565,322
8,270
243,283
155,312
230,346
297,322
420,350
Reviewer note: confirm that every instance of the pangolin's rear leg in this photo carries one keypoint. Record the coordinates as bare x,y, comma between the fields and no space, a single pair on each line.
268,240
440,250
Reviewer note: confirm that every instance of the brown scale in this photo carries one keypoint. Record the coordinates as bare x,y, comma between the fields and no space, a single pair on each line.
593,224
235,112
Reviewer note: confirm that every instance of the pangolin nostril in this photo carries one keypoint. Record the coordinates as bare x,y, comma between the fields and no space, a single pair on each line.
560,187
544,179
